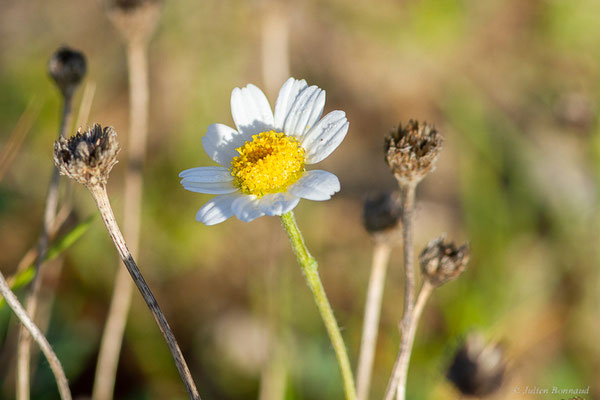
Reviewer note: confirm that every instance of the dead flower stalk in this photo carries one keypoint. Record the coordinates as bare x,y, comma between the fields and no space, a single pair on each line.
135,21
67,67
38,336
88,158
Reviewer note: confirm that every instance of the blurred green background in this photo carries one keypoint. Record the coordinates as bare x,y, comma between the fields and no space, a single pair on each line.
513,85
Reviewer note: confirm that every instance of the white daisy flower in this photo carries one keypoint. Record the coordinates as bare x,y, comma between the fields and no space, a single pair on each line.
262,163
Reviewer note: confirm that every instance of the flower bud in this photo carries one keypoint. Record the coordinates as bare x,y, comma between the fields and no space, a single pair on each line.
478,368
412,150
442,262
67,67
87,157
381,213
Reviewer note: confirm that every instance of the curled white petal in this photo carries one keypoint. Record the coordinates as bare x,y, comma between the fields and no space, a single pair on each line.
315,185
209,187
206,174
216,210
285,100
251,110
246,208
220,143
323,138
305,111
277,203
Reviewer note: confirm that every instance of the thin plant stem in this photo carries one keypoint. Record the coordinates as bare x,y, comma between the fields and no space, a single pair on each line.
101,198
407,199
275,370
10,343
311,274
275,66
112,337
381,257
408,208
50,209
275,38
30,256
40,339
397,383
61,216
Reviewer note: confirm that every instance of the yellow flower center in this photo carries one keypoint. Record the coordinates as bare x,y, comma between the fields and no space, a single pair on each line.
268,163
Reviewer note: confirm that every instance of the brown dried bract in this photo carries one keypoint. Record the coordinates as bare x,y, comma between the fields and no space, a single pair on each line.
87,157
412,150
442,262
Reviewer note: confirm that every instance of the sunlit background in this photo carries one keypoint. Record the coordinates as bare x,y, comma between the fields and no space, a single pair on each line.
512,85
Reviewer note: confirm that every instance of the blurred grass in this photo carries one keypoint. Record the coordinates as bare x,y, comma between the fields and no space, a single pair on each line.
518,179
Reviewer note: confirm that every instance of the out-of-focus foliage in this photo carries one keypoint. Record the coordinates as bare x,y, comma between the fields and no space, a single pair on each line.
513,85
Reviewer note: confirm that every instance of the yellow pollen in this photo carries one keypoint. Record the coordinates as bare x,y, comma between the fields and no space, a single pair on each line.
268,163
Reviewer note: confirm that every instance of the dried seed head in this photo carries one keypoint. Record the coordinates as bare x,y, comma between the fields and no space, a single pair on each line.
67,67
412,150
442,262
381,214
478,368
87,157
134,19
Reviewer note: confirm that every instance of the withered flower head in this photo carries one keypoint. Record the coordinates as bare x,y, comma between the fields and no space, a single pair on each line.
442,262
381,213
412,150
87,157
67,67
134,19
478,368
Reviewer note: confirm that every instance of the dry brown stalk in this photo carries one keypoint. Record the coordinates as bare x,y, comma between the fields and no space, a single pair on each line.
17,137
135,25
38,336
50,209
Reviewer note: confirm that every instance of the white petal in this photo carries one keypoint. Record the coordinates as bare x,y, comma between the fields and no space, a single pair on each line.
217,210
206,174
325,136
209,187
246,208
315,185
305,111
278,203
221,141
285,100
251,110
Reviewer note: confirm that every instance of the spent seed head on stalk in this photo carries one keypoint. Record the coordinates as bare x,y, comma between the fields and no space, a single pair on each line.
442,262
67,67
478,368
87,157
412,150
381,215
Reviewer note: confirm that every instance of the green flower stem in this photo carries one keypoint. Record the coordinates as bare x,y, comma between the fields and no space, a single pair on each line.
310,269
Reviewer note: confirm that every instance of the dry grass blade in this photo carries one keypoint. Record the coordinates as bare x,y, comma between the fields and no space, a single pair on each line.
86,104
17,136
